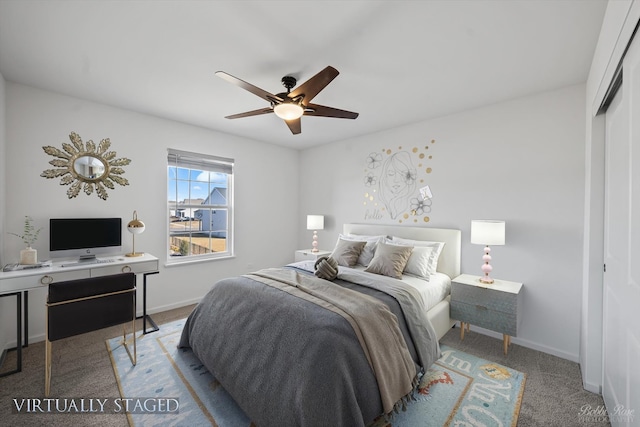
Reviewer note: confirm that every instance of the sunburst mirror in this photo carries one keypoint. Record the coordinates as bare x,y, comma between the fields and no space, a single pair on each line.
85,166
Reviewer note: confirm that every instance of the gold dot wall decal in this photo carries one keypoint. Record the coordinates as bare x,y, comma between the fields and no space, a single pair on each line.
396,184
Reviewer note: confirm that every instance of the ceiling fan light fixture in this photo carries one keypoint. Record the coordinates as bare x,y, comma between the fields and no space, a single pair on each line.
288,111
292,104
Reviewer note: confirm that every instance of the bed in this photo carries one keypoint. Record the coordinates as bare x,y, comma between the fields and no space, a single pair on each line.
295,349
448,261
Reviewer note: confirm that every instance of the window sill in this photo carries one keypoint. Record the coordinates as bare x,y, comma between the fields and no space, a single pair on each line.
176,262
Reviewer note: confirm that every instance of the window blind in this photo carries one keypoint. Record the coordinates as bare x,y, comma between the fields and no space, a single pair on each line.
200,161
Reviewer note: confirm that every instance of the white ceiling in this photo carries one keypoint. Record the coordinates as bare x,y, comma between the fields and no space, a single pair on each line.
399,61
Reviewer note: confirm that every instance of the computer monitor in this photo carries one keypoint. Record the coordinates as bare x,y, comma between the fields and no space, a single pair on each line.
84,237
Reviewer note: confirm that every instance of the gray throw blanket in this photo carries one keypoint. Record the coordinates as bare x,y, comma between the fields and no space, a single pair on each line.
374,325
290,362
413,308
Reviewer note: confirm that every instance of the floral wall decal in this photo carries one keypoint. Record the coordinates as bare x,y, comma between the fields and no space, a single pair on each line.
395,184
84,166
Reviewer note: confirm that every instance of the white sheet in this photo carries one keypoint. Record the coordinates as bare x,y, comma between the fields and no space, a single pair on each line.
432,291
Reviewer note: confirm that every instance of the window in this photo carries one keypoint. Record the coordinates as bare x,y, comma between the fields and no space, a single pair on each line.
200,206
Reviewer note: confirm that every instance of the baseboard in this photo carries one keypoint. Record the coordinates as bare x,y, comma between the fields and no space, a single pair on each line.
170,306
529,344
593,388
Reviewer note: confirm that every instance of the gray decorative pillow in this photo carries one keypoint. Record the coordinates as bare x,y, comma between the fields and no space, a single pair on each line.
346,252
326,268
390,260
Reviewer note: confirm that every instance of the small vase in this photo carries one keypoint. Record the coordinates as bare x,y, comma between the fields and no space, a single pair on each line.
28,256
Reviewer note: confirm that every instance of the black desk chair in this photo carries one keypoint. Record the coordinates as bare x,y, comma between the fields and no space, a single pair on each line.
79,306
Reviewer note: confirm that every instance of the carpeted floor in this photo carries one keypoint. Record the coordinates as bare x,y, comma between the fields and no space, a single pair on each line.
459,388
81,368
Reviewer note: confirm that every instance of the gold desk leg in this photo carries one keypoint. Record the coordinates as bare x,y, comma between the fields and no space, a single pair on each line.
47,368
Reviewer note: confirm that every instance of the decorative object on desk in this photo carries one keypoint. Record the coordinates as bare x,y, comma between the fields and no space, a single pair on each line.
28,256
20,267
315,223
85,166
487,232
135,226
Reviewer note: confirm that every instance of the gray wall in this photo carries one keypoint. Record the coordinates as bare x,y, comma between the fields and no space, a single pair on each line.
520,161
5,303
36,118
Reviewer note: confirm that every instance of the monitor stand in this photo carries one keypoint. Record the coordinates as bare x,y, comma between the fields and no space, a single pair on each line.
87,259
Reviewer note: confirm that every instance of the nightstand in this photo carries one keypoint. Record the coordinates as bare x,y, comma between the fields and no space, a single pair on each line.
496,306
306,254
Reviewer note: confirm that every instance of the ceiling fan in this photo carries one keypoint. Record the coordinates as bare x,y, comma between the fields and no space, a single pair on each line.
292,104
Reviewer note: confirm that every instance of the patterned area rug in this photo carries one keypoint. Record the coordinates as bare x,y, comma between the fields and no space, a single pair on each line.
169,386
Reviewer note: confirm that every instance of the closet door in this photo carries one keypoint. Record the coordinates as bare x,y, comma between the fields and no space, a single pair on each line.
621,295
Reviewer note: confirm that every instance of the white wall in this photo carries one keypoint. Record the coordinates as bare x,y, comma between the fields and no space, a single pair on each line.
5,303
618,25
3,162
527,154
521,161
266,214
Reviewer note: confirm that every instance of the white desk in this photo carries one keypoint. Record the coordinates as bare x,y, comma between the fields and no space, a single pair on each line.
19,283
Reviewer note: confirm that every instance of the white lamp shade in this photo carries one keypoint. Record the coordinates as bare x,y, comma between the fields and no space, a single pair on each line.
315,222
487,232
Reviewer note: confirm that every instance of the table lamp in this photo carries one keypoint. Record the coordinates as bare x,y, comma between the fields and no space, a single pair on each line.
315,223
487,232
135,226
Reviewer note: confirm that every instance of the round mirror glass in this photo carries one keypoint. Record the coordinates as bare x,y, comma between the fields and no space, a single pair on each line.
89,167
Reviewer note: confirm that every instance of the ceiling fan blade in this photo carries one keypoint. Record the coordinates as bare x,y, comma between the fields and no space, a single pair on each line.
269,97
295,125
250,113
314,85
322,111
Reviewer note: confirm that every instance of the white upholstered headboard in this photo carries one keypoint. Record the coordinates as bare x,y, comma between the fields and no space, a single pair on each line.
449,261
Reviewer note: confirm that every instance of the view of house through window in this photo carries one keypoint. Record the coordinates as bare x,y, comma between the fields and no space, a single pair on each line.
200,205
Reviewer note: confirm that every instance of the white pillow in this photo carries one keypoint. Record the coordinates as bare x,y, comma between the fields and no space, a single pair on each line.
369,248
424,258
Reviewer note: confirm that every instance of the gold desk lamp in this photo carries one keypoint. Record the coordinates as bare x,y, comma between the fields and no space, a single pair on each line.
135,226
